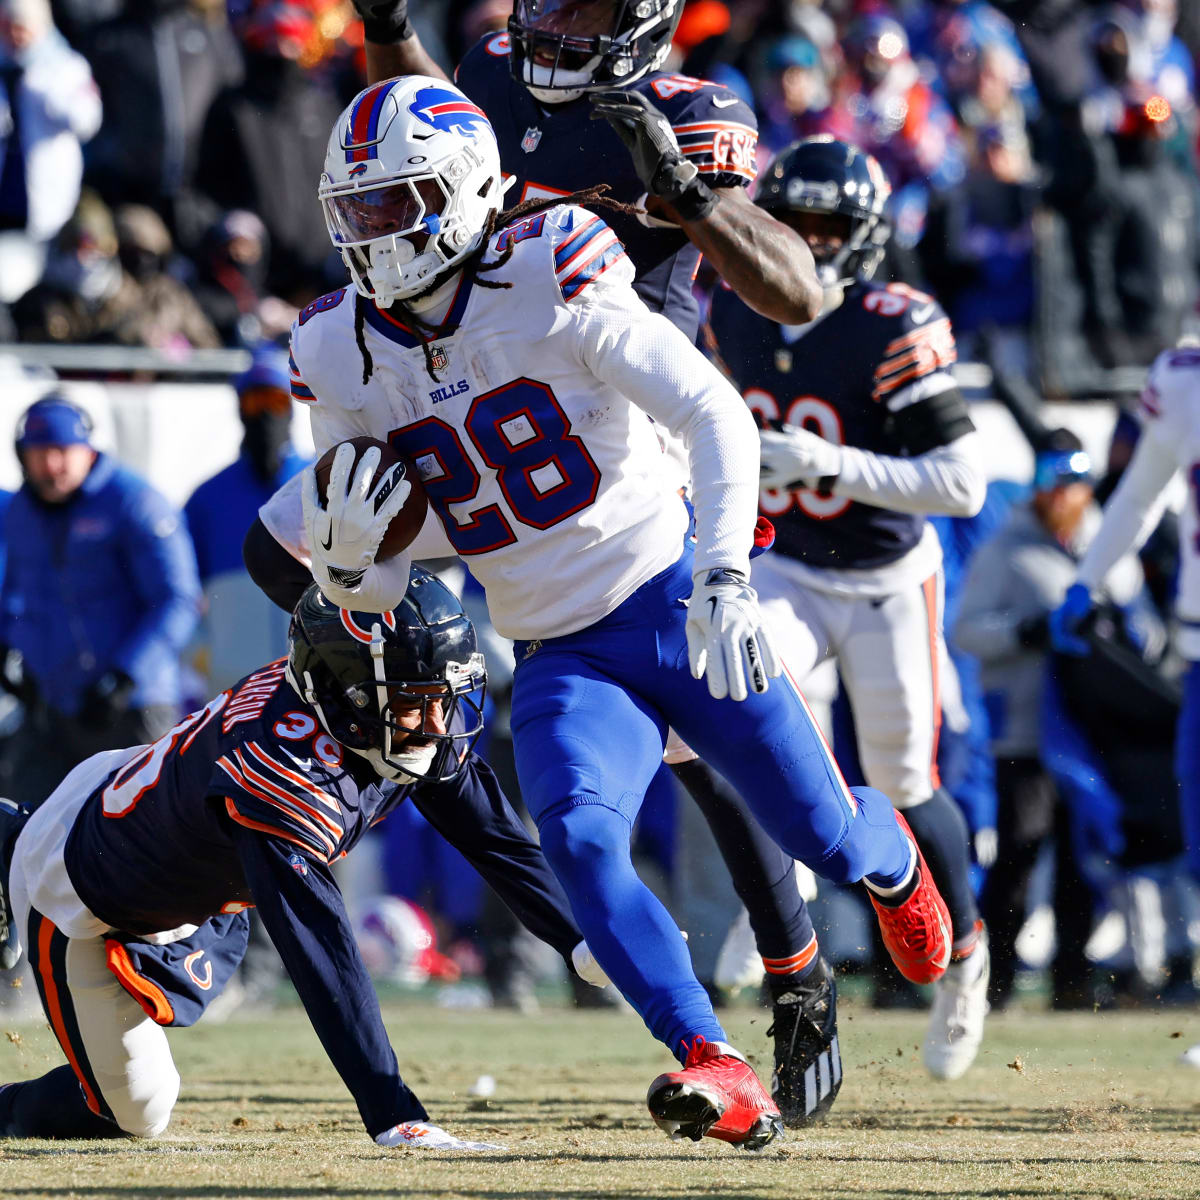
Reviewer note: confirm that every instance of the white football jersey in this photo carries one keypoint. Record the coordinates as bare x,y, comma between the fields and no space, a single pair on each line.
533,441
1170,415
1169,446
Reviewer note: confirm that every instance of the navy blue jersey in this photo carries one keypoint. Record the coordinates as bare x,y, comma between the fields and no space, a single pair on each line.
553,150
153,849
874,373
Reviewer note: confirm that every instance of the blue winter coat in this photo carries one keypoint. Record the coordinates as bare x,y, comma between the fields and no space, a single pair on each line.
106,581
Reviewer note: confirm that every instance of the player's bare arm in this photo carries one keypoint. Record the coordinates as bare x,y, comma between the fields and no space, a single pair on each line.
769,265
391,44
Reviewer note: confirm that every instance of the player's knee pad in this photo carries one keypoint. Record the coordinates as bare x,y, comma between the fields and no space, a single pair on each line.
873,837
580,837
145,1113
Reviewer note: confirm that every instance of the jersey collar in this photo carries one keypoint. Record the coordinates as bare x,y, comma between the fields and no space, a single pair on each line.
399,331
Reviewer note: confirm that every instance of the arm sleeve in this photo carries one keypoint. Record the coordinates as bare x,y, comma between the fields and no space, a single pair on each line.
280,576
947,480
1134,509
644,357
162,566
474,816
302,910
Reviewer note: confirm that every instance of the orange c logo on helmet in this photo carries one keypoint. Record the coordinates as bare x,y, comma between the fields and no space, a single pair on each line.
356,631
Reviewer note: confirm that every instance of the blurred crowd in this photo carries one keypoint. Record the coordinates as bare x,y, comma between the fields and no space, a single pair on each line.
159,158
158,169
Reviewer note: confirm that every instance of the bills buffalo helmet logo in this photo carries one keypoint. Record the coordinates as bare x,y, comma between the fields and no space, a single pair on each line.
448,110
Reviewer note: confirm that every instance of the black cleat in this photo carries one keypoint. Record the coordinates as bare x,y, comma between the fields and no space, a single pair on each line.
808,1063
12,820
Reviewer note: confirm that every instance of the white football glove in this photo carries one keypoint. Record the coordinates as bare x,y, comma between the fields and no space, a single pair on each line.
726,638
796,457
344,534
587,968
428,1137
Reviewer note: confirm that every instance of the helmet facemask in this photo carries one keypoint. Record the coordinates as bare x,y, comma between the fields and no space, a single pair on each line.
403,237
563,48
385,719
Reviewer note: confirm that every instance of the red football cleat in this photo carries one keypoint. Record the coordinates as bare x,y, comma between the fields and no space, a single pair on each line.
917,933
717,1093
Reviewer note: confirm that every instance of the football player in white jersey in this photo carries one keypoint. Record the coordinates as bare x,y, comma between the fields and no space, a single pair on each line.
1170,444
508,357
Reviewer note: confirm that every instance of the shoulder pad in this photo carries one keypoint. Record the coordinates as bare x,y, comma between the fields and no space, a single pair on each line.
715,128
316,333
585,248
916,359
263,791
573,242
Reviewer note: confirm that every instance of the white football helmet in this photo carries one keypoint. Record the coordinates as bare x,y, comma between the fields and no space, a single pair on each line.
411,174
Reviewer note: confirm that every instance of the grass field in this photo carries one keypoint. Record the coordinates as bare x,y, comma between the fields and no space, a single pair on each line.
1064,1105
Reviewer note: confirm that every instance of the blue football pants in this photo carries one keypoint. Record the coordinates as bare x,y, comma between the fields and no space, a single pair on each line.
590,713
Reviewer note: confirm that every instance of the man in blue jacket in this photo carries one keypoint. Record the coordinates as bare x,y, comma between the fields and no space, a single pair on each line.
99,597
242,628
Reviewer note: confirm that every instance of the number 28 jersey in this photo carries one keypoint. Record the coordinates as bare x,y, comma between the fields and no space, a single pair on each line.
534,441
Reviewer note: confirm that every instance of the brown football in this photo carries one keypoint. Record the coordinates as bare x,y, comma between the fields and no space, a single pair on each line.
406,524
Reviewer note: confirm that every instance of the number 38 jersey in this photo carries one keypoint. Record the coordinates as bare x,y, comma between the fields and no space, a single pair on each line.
528,422
863,375
152,850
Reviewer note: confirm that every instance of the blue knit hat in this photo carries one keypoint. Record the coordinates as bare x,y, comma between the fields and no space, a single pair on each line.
54,421
268,368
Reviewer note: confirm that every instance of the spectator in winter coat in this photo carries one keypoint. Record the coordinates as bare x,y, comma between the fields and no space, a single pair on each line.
48,107
98,599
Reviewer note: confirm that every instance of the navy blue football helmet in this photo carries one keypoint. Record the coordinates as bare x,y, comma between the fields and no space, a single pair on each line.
821,174
563,48
363,673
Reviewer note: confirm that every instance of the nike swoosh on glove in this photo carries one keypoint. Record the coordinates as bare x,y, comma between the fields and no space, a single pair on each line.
344,533
428,1137
726,638
794,457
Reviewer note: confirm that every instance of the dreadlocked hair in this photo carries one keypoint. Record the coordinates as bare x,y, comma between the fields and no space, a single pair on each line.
475,268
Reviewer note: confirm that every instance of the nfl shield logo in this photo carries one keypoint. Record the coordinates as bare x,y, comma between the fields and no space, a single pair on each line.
437,357
529,143
783,361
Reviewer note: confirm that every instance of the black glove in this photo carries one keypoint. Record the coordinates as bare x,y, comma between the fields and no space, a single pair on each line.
657,159
1034,632
385,22
106,700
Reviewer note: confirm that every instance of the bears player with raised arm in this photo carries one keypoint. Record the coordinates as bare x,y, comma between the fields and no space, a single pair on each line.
575,98
129,883
508,358
865,434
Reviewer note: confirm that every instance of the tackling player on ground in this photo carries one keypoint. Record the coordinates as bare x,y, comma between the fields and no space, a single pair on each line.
575,98
129,884
865,434
508,357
